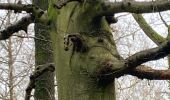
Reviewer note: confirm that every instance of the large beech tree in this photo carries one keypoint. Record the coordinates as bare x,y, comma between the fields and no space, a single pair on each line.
85,55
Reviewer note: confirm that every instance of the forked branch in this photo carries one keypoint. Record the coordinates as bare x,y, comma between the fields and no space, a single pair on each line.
37,15
132,62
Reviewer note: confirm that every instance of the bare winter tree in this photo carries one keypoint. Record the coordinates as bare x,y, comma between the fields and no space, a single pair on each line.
85,55
14,66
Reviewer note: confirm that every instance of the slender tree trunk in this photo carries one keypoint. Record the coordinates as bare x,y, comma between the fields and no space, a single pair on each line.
10,63
76,68
44,86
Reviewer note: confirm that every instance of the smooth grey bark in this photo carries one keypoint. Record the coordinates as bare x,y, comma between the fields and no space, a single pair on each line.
76,66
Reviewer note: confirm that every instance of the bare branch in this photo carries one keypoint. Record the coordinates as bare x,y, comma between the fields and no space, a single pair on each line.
38,72
34,10
149,31
110,8
148,55
108,71
139,58
22,24
144,72
37,15
41,39
17,7
165,23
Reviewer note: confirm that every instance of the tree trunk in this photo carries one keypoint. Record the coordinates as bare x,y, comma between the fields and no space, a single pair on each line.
44,85
10,63
82,42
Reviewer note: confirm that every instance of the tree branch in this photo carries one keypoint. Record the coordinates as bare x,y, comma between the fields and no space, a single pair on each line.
17,7
108,71
141,57
144,72
110,8
165,23
152,34
37,15
39,71
22,24
34,10
148,55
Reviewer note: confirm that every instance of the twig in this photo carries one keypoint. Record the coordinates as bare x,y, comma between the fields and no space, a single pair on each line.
163,20
33,38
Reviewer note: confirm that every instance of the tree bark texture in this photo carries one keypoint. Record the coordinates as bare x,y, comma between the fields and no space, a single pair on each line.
82,42
44,84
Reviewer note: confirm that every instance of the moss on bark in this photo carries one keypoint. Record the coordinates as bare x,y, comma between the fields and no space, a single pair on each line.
44,85
76,70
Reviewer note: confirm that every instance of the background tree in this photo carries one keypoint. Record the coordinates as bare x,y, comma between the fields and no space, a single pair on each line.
130,39
16,60
44,84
